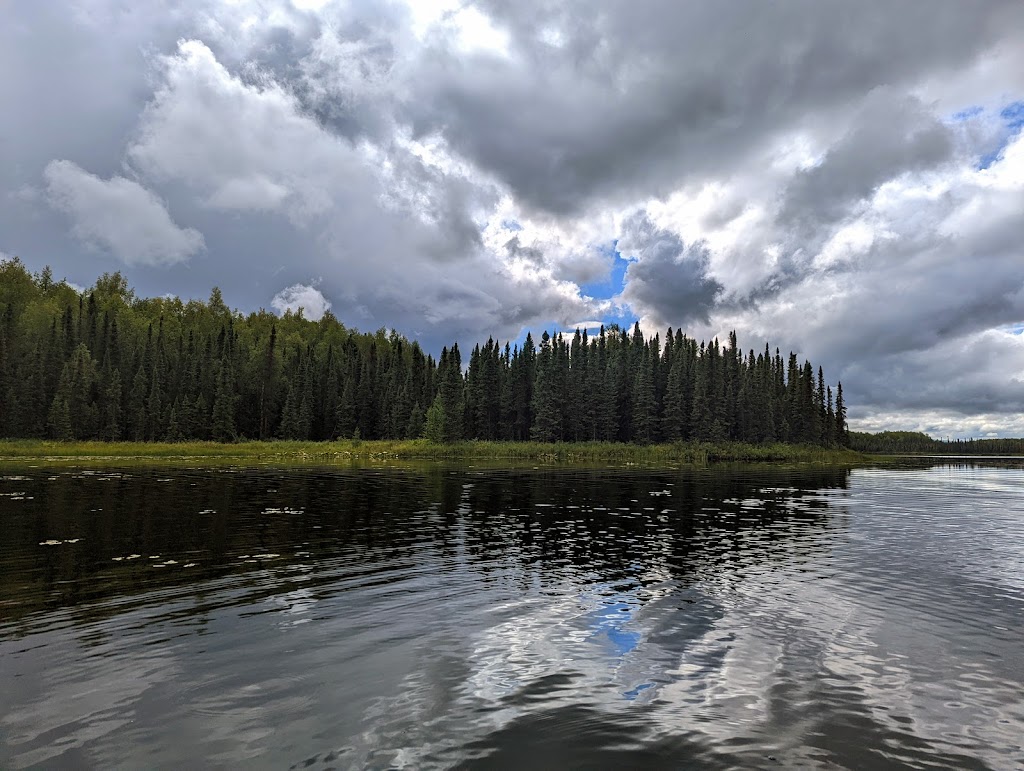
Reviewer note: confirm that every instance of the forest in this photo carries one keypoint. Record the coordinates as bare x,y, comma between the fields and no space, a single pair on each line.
915,442
105,364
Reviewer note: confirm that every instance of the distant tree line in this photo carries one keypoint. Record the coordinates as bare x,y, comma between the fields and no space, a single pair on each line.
915,442
105,364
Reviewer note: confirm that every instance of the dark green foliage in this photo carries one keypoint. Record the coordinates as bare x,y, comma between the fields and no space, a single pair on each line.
59,420
451,392
434,430
416,422
841,434
547,401
105,364
223,427
914,442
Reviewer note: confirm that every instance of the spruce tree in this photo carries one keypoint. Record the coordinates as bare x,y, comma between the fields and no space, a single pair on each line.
174,433
59,420
434,428
289,428
842,437
414,429
450,389
644,408
674,414
547,422
345,415
268,384
222,421
137,414
830,420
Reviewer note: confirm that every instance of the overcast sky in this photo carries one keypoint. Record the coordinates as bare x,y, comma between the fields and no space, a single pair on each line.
842,179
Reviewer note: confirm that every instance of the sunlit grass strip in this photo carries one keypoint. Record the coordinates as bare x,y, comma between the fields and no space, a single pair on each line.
564,452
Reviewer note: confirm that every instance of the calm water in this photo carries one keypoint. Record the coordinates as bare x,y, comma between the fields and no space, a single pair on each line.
462,617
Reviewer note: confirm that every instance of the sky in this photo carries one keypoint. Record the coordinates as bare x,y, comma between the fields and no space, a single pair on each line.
843,180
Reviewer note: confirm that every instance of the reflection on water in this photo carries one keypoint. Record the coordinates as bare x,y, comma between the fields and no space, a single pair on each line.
739,617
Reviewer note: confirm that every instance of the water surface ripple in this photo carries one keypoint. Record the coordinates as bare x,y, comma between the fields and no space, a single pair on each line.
479,618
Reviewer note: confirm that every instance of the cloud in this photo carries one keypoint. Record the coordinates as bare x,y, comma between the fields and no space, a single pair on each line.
240,146
119,216
639,96
301,296
667,279
893,134
939,423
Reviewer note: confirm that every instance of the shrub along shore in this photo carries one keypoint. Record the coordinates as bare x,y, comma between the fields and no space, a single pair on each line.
699,453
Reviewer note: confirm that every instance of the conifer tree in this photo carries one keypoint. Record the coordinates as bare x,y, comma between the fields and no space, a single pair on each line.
289,428
547,408
451,393
674,417
137,406
367,392
417,418
174,433
77,382
644,412
830,420
842,437
345,416
222,421
59,420
33,397
434,430
524,373
268,383
8,423
821,435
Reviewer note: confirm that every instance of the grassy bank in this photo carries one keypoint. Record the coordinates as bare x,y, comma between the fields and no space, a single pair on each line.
327,452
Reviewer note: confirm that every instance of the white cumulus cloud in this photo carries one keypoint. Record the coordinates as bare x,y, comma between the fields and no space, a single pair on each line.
312,302
119,216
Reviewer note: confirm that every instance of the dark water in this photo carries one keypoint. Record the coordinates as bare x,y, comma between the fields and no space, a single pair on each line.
461,617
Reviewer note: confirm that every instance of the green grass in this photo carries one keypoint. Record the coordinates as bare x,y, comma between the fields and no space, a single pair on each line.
355,450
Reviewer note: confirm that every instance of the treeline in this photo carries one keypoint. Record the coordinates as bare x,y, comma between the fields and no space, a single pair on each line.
104,364
915,442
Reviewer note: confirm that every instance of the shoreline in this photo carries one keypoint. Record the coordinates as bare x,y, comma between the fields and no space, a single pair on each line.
563,453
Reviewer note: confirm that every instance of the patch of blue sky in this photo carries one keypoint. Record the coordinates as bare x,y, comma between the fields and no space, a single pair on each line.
1012,117
988,159
624,317
612,285
968,112
1013,114
512,225
605,289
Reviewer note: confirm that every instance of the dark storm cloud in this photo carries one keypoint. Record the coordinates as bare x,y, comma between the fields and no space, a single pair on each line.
926,380
667,277
639,95
892,134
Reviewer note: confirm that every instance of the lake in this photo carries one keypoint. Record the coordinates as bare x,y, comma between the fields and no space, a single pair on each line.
475,617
